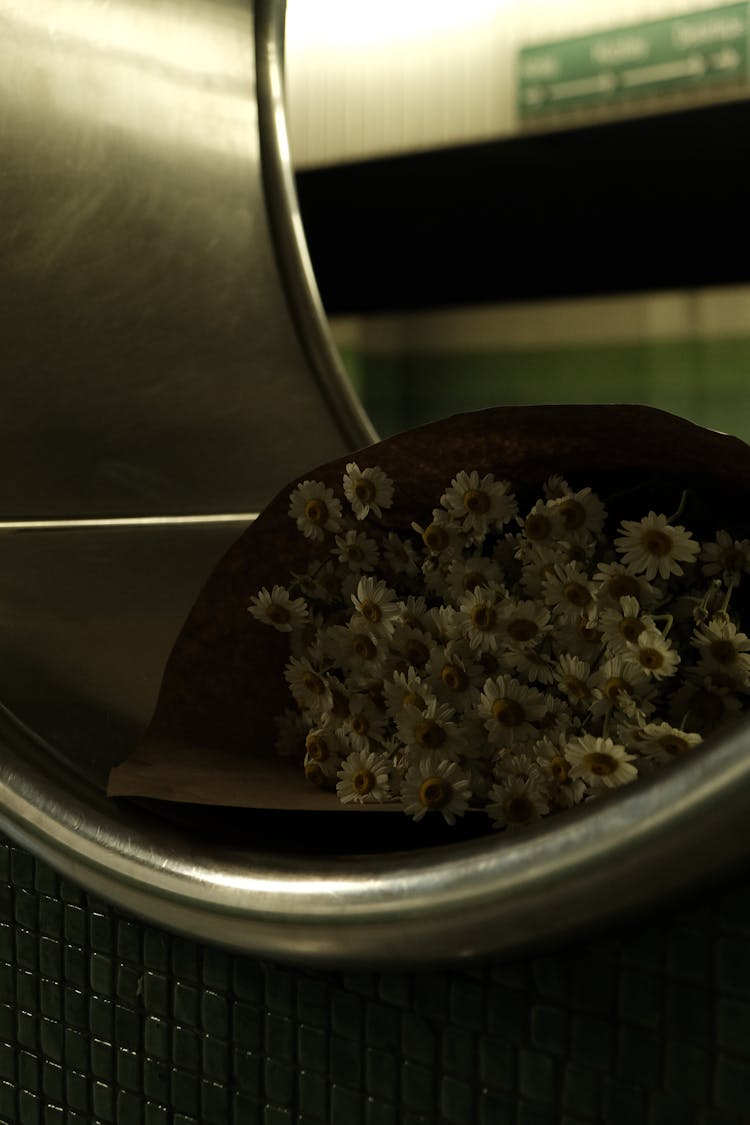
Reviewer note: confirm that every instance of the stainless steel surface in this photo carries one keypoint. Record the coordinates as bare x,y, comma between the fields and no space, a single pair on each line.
163,355
151,360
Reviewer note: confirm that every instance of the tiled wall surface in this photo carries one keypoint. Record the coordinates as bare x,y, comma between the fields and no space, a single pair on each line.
106,1020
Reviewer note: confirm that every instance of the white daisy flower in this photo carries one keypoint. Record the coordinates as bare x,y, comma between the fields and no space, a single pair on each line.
355,651
434,784
517,802
582,638
581,513
440,535
364,724
555,487
652,652
510,711
727,557
367,490
613,581
376,607
453,674
357,550
321,774
409,647
315,509
478,503
480,620
573,677
622,625
364,778
432,729
444,623
324,744
310,688
413,612
406,690
542,527
533,665
464,575
662,741
291,729
616,683
653,546
524,623
722,647
569,592
600,762
702,704
400,555
279,609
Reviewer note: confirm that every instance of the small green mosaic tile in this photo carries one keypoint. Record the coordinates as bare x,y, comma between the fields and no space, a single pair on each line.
668,1109
690,1014
733,966
312,1001
458,1052
382,1026
456,1101
591,1041
688,1071
735,911
27,950
641,998
280,1082
731,1083
312,1048
215,1059
537,1077
186,1048
247,1073
103,1101
312,1094
467,1004
622,1104
536,1115
639,1056
346,1014
381,1071
346,1106
581,1091
495,1110
214,1014
507,1014
418,1038
733,1025
214,1106
549,1029
381,1113
75,925
280,1035
279,991
345,1060
688,955
246,1025
395,989
418,1086
497,1063
26,910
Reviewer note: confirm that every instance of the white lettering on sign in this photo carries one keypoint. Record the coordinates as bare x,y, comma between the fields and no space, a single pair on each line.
623,49
540,67
712,29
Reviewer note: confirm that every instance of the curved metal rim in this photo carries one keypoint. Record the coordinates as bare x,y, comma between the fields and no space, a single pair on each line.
494,895
285,224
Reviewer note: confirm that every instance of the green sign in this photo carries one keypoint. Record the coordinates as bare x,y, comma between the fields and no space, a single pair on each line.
698,49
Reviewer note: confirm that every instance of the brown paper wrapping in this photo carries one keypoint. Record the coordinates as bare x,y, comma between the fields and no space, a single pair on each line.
211,740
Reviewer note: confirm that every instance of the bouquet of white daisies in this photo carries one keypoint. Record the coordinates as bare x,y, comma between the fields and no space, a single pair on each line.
518,652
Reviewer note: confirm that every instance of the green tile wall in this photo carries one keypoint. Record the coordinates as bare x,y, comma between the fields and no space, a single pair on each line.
107,1021
704,380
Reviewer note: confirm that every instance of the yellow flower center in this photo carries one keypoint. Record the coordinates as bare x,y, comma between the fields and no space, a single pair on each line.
314,774
575,687
576,593
417,653
573,514
429,735
355,552
434,793
316,747
614,686
454,678
508,712
364,490
359,724
537,527
651,659
414,700
316,511
622,586
673,744
363,781
519,810
483,617
602,765
631,628
559,767
313,683
522,629
278,614
371,610
476,502
364,647
435,537
656,542
723,652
